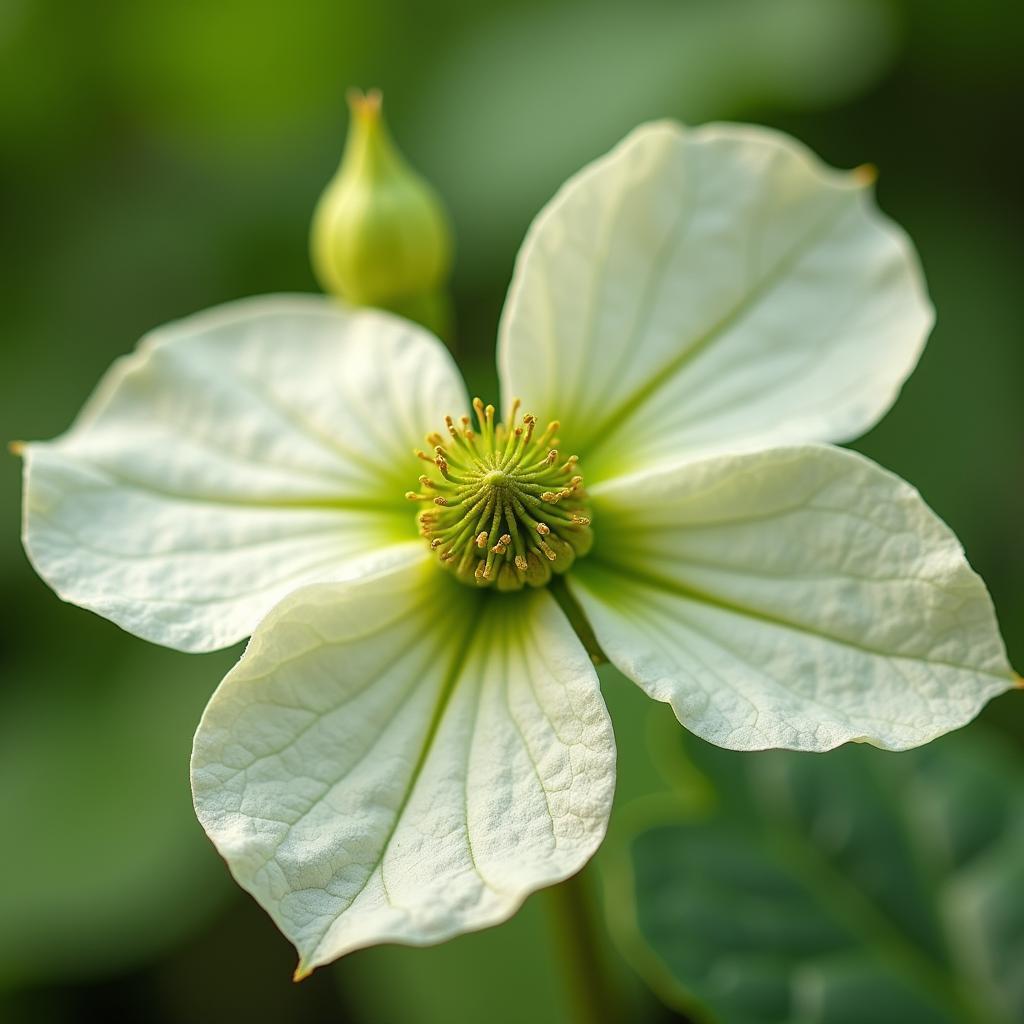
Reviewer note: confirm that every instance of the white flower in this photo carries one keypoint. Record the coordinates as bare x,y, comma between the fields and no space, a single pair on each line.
400,756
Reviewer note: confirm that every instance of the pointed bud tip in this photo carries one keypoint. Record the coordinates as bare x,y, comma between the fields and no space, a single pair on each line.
366,105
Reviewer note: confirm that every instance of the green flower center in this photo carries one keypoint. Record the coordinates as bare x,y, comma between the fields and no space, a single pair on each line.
505,509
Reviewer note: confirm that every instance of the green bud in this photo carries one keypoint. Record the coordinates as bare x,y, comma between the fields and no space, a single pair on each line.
380,236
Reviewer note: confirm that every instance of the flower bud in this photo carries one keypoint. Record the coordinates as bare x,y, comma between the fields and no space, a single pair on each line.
379,234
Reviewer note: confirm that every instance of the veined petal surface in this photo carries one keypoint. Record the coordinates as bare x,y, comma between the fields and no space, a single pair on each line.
403,759
798,597
236,455
707,290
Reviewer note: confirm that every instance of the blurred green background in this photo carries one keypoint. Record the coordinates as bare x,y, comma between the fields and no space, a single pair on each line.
157,158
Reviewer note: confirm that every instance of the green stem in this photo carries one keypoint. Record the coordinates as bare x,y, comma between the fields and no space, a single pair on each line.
593,996
578,621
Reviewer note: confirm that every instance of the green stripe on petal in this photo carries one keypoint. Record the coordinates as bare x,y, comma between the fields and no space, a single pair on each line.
237,455
403,759
798,597
708,290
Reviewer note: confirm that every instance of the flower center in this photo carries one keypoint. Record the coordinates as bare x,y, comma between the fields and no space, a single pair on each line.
505,508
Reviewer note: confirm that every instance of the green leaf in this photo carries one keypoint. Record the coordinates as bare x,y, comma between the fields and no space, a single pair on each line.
859,886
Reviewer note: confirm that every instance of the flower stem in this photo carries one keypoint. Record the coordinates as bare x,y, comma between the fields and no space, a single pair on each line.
578,621
593,996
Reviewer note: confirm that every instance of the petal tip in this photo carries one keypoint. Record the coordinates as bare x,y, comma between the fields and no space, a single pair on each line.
865,176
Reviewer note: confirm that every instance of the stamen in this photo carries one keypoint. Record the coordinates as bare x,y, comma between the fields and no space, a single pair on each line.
499,510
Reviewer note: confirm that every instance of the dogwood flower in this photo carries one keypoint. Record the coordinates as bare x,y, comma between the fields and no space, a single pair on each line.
415,739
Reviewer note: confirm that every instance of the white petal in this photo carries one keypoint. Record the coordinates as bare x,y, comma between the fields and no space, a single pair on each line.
796,598
710,290
234,456
403,759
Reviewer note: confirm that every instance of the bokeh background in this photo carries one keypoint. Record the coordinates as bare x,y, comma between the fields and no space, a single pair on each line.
158,158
